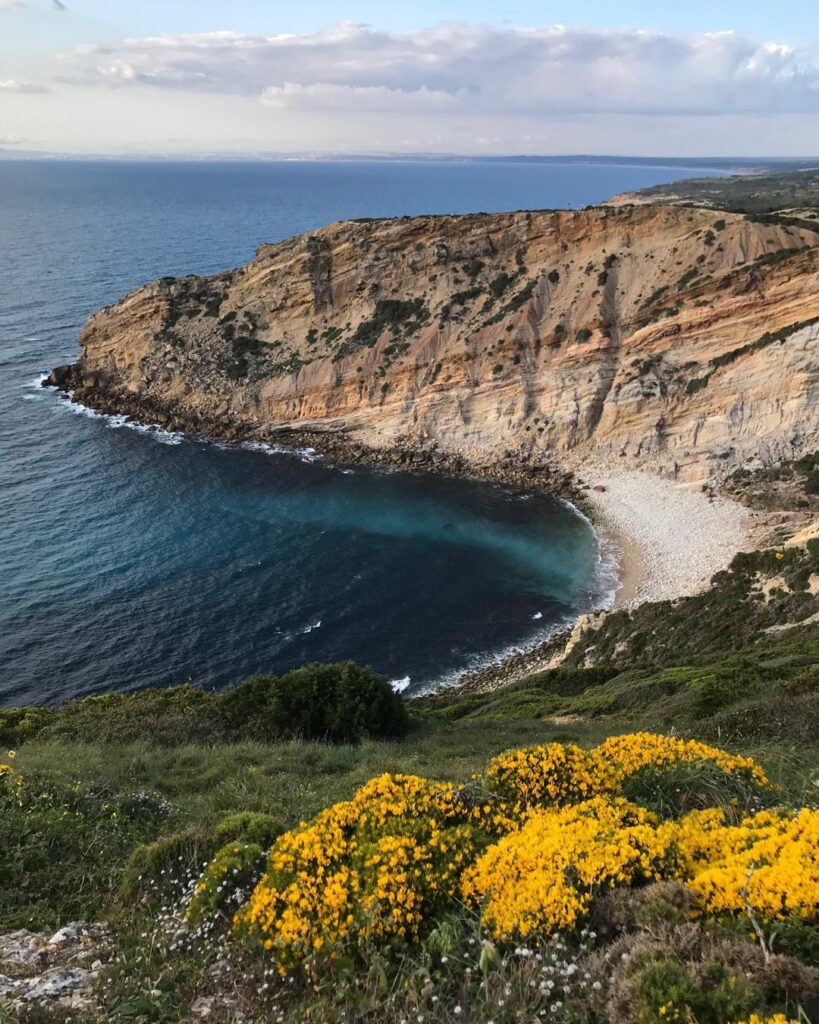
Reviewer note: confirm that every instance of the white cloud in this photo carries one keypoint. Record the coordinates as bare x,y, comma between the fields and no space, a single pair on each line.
15,85
478,70
11,5
12,140
325,96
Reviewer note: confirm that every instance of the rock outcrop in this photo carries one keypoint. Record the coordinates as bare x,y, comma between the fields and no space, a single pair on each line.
660,336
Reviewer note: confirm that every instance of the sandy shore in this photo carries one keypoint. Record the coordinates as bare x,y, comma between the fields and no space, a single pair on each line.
671,539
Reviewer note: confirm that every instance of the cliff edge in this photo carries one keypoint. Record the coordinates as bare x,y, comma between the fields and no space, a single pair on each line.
672,338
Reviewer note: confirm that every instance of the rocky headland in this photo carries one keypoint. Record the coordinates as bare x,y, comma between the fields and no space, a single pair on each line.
629,357
660,337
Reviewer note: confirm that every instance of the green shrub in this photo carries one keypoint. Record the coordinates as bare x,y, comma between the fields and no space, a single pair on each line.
676,789
396,315
803,682
500,284
248,827
342,703
667,990
20,724
226,882
164,863
716,691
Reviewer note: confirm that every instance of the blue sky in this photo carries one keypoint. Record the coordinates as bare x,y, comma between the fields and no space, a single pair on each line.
796,21
154,76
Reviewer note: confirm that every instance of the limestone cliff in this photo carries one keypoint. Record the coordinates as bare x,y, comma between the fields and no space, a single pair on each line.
665,336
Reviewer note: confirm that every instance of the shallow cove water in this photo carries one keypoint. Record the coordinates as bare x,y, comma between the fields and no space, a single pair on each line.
131,558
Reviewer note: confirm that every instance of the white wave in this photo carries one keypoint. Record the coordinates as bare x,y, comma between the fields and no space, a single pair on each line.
538,615
399,685
486,659
607,572
309,629
115,421
303,454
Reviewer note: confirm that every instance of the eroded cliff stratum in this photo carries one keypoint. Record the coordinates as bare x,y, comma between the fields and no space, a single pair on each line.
672,337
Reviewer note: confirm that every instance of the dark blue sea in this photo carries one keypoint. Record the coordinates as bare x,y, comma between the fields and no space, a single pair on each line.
131,558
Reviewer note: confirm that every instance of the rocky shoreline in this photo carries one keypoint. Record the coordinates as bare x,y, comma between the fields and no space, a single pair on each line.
520,467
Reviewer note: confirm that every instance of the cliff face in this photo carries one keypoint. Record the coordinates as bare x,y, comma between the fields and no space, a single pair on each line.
664,336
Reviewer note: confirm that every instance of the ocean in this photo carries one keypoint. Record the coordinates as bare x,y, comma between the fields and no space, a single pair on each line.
131,557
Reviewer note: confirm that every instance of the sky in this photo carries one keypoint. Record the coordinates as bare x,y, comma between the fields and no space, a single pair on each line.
262,77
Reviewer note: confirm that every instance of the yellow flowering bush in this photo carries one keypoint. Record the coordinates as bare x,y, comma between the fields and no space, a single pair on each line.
373,868
544,875
551,830
635,751
557,773
768,861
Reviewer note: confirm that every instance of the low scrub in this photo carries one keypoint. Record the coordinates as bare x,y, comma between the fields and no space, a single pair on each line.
341,703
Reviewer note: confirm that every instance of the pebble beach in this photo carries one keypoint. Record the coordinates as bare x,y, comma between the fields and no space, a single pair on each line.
671,539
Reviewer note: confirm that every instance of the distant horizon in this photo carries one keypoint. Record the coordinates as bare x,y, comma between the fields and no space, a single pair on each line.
740,161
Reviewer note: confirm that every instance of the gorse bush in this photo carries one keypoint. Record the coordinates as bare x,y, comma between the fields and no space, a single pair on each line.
376,868
529,847
544,875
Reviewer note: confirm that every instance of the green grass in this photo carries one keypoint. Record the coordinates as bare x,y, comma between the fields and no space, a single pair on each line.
111,792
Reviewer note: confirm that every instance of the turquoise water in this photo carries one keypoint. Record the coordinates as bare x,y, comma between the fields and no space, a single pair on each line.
131,558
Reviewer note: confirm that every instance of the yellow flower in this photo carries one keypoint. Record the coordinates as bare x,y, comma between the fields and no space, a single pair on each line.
532,848
544,875
638,750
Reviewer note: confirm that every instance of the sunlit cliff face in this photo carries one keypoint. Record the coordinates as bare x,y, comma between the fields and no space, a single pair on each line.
669,336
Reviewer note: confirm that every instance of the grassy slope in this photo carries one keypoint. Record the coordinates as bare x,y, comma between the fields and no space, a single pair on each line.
708,666
110,774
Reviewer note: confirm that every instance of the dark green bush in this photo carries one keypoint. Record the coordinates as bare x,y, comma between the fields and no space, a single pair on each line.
248,827
20,724
154,867
667,990
342,703
716,691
